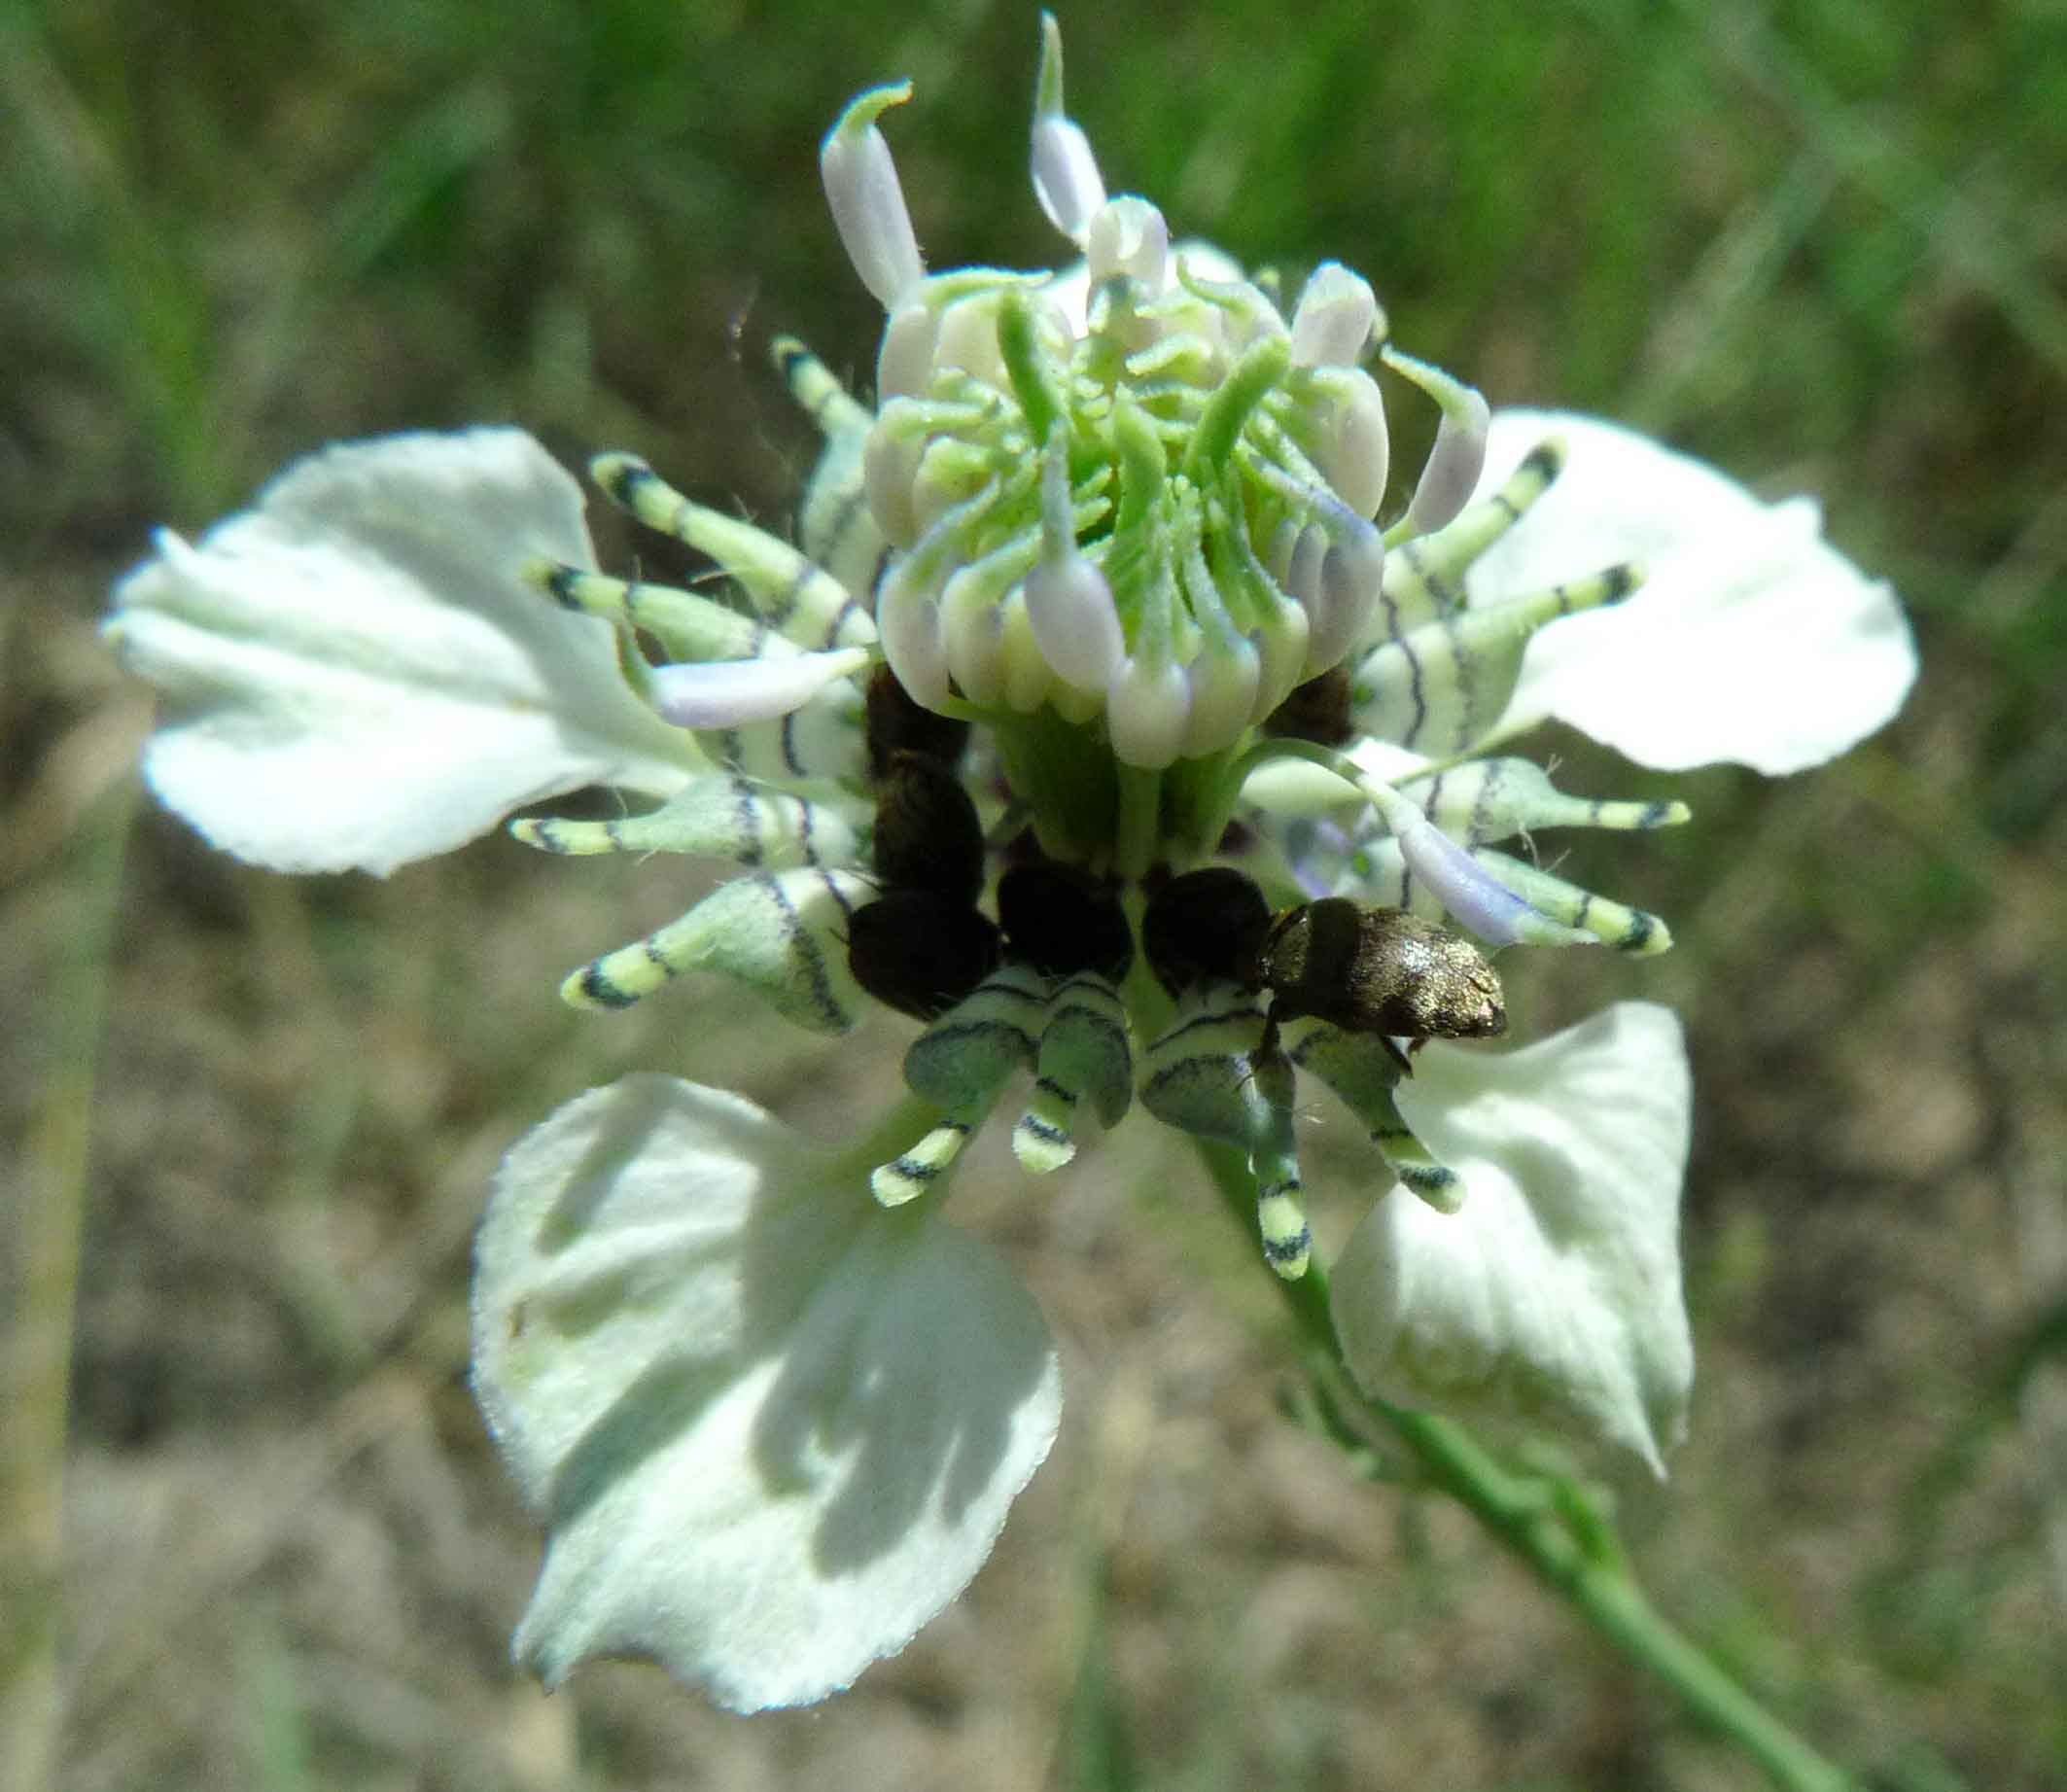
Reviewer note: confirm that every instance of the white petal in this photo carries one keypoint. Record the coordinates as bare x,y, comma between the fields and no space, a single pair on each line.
1753,642
772,1428
1552,1296
354,672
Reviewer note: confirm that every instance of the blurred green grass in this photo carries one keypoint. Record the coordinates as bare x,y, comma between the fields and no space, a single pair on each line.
1822,244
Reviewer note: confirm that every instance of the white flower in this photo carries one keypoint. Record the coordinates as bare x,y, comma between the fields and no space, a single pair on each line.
770,1411
771,1426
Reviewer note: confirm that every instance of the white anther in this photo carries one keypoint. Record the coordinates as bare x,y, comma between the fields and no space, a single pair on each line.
1351,571
889,464
1029,679
968,339
904,364
728,693
1223,681
1356,450
1451,472
1473,896
1302,574
868,208
1127,237
972,626
1147,706
1069,607
1068,602
1282,645
1277,562
909,619
1337,315
1065,177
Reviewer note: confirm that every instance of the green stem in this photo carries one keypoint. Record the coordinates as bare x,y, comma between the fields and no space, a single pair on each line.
1550,1523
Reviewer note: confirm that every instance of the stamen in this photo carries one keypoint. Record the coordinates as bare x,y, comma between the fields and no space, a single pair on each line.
908,614
729,818
728,693
1224,674
904,363
1068,602
1147,706
1351,443
1337,317
1129,237
1352,575
1472,894
869,209
1452,471
1065,177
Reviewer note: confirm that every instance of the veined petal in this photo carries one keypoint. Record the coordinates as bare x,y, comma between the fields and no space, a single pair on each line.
357,673
1753,640
771,1427
1552,1296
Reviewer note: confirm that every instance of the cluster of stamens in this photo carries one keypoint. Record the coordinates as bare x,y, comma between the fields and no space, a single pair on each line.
1135,492
1123,523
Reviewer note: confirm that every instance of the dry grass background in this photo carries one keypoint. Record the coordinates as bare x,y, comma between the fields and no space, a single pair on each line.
253,1534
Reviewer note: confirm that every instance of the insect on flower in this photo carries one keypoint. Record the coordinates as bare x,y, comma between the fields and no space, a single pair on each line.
1363,968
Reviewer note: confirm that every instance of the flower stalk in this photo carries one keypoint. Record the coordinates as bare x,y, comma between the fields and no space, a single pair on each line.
1549,1523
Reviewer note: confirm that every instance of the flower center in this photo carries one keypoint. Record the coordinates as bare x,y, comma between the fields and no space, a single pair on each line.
1139,494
